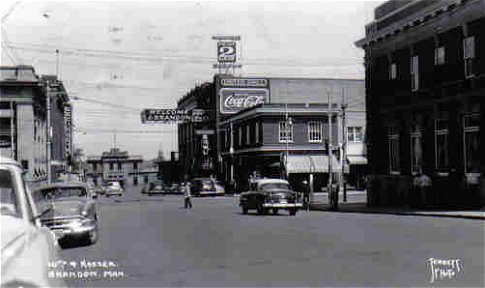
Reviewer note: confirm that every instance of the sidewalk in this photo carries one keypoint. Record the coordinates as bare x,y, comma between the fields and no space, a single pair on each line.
362,208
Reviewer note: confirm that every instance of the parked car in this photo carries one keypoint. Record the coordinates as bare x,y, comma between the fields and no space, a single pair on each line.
26,246
270,194
205,187
114,188
156,187
100,189
175,189
73,215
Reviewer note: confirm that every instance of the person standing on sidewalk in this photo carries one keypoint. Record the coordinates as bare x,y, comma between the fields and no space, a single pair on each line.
187,197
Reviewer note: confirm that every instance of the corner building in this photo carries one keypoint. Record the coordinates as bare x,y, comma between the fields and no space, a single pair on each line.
425,91
272,127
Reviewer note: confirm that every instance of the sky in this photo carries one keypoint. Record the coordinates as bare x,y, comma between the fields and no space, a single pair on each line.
117,58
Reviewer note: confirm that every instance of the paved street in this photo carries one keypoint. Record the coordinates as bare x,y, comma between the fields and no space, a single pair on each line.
156,243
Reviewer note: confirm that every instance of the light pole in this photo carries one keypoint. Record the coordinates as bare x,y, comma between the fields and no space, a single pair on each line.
344,146
330,190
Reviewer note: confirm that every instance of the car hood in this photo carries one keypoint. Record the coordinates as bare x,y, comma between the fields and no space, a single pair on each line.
71,208
13,229
275,192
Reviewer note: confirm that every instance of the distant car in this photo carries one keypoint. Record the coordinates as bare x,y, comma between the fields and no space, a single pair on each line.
219,188
270,194
175,189
156,187
73,215
27,248
100,189
114,188
205,187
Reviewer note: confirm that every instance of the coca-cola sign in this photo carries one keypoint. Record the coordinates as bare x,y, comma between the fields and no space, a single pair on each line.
233,100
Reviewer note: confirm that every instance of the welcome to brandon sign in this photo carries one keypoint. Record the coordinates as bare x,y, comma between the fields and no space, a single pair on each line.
172,115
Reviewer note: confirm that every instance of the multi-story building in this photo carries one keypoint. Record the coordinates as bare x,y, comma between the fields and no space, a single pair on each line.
60,123
114,165
248,132
425,87
23,118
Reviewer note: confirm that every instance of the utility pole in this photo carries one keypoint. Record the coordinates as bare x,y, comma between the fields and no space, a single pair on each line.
330,190
49,135
231,153
49,132
344,146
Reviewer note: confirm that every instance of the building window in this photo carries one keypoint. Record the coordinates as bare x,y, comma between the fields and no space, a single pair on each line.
393,71
416,150
439,56
135,166
355,134
469,56
285,131
441,143
256,132
394,159
95,166
248,134
414,73
119,166
111,166
471,123
315,131
240,135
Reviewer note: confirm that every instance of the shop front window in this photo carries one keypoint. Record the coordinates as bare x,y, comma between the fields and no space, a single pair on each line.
441,142
471,143
394,159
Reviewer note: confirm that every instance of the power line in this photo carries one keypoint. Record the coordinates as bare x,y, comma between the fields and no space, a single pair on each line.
106,103
191,58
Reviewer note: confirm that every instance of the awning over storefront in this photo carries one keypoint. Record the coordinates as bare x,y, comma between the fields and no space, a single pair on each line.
313,164
357,160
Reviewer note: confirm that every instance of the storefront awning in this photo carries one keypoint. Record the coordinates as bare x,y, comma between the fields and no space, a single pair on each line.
357,160
312,164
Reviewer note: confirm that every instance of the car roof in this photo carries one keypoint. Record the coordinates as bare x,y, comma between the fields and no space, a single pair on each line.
268,180
9,161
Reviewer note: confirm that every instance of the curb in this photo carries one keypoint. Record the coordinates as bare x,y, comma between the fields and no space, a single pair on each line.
425,214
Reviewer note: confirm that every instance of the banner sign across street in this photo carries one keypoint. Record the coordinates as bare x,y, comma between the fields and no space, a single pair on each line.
173,115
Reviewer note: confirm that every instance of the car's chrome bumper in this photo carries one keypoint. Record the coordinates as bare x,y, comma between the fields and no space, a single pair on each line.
283,205
62,232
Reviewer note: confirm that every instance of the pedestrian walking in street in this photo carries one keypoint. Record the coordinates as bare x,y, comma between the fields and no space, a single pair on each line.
306,195
187,197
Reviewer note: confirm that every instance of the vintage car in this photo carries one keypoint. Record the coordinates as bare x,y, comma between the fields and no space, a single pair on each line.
205,187
156,187
73,214
27,248
114,188
270,194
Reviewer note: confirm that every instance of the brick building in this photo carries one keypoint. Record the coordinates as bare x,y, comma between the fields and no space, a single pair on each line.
425,88
242,136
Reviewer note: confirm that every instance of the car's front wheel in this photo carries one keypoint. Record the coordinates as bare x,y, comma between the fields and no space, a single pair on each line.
92,237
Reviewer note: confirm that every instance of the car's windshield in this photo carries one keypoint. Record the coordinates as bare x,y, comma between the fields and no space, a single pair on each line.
66,193
8,197
274,186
